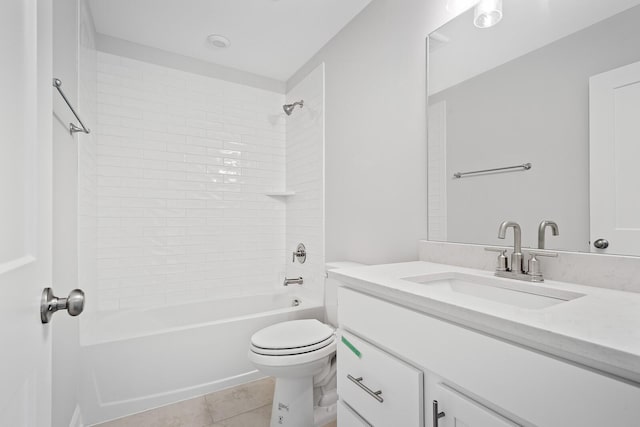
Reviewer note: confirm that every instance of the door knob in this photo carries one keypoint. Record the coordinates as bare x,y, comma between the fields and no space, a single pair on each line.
601,244
74,304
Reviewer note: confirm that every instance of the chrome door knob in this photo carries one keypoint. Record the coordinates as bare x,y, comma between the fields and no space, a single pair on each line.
601,244
74,304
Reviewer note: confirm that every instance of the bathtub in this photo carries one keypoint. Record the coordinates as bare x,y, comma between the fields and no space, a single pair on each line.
136,360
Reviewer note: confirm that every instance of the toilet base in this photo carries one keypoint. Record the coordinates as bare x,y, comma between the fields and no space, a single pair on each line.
293,403
323,415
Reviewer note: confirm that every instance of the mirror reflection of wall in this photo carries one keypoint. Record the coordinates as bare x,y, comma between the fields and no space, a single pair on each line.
515,101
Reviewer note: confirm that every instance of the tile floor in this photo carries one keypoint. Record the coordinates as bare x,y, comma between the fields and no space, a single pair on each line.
247,405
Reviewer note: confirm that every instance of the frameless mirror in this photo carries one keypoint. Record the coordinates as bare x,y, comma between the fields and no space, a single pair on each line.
537,118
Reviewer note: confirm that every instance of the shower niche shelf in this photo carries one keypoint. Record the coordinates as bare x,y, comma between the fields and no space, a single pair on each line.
280,193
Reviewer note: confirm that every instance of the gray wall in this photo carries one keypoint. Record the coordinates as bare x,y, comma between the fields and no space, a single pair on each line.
533,109
376,131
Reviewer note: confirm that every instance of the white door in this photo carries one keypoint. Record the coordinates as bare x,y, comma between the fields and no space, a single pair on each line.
25,211
457,410
615,160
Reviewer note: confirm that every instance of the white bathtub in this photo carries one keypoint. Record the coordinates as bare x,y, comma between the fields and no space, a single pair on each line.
137,360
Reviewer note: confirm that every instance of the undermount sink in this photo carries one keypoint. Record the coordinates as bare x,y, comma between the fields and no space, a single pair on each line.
502,291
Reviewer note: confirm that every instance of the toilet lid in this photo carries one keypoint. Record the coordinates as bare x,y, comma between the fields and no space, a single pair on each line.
292,334
293,351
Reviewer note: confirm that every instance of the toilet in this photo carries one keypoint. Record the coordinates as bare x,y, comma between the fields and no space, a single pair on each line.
300,354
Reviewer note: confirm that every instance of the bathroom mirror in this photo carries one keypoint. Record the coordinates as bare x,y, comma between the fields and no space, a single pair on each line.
552,90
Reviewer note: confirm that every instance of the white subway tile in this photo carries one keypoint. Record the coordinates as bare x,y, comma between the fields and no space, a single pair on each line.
161,155
183,162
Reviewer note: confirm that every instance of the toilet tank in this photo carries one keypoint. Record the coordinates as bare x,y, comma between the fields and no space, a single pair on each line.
331,291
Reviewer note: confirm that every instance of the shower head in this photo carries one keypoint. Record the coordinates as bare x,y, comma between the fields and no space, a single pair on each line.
288,108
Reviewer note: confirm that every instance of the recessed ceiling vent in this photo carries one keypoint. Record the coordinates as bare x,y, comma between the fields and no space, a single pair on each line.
216,40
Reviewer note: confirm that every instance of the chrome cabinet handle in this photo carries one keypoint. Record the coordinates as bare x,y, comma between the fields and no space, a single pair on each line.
436,415
374,394
74,304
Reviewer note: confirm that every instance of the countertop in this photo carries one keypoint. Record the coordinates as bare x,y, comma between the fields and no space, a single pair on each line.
600,330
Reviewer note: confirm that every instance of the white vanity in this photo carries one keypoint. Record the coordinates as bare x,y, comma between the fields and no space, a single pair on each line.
489,351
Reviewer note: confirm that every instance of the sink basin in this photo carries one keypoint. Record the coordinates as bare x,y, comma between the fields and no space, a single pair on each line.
503,291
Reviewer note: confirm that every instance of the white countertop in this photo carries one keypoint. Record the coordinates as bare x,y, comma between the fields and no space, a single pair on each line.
600,330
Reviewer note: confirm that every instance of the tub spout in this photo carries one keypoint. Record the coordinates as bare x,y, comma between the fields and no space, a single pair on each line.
296,281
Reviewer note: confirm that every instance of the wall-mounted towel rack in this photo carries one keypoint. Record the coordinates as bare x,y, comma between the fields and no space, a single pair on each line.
57,83
524,167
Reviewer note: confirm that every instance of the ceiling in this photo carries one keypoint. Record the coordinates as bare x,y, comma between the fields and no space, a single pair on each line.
271,38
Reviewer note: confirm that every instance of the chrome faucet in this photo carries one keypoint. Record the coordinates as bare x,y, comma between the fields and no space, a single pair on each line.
516,269
542,229
295,281
516,256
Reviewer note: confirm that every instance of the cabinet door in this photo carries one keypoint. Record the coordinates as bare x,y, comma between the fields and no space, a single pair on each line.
461,411
348,418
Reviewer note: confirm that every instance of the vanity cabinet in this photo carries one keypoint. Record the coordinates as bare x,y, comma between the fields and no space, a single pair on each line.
477,379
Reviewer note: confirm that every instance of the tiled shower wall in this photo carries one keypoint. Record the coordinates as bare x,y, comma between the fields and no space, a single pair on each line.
183,165
305,177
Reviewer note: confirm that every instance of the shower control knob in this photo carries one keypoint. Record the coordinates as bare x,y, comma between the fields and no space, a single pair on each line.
74,304
300,254
601,244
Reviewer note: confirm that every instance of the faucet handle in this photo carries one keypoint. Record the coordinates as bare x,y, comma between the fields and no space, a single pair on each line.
547,254
534,264
300,253
502,258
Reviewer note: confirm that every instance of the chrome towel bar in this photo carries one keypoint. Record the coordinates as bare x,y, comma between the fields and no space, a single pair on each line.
57,83
524,167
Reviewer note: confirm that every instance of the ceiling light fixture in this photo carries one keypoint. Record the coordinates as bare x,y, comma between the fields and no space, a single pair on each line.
218,41
487,13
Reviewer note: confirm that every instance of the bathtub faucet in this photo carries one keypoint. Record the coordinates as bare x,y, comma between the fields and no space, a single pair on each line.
296,281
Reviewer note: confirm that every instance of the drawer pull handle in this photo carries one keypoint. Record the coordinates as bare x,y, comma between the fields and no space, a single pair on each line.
436,415
374,394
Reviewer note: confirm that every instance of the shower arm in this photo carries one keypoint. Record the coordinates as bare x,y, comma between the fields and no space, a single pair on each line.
288,108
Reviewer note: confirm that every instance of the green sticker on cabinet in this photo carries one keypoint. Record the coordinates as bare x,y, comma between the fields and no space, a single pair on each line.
351,347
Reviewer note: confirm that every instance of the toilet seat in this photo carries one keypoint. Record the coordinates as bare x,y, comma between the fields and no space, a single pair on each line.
293,342
292,351
293,337
293,334
290,361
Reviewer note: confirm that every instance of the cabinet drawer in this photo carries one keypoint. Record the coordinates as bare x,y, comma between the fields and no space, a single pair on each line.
384,390
348,418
